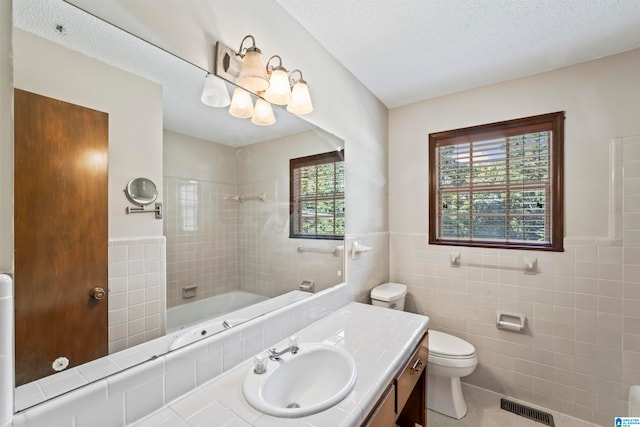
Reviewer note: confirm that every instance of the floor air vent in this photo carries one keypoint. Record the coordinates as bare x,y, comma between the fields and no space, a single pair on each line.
527,412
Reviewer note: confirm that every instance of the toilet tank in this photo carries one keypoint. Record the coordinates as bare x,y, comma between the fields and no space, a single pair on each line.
389,295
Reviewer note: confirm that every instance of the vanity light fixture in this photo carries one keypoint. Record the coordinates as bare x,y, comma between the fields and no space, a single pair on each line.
263,113
215,93
241,104
271,84
253,74
279,91
300,97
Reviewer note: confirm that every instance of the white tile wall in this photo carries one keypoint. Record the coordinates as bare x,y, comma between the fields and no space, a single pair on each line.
367,269
227,245
6,349
258,229
630,366
131,394
581,348
200,224
137,282
268,260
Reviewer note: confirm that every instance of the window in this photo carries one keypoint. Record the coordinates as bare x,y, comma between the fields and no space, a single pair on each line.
317,196
498,185
188,206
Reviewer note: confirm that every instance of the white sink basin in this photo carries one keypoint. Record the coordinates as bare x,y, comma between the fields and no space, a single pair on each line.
316,378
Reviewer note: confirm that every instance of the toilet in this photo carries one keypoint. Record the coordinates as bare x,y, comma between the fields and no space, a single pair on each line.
389,295
450,357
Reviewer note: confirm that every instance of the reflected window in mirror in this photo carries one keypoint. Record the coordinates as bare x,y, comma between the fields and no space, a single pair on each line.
317,196
188,195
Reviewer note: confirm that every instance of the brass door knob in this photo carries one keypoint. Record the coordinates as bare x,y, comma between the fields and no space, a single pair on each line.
97,293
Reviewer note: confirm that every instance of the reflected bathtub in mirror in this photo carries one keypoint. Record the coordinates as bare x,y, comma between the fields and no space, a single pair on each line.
185,334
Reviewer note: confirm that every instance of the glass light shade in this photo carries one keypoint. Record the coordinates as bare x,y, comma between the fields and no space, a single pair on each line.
241,104
215,93
263,114
253,74
279,91
300,99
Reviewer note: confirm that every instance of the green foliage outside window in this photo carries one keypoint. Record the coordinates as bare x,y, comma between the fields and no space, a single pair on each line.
501,208
497,186
317,205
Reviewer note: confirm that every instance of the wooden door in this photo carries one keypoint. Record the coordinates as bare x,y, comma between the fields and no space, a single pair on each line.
61,234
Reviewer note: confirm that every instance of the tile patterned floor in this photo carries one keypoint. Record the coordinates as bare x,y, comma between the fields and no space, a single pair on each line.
484,411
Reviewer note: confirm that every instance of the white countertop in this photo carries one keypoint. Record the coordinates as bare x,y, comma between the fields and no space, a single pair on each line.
379,340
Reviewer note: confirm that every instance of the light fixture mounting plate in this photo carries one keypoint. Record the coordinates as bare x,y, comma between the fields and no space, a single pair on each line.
227,65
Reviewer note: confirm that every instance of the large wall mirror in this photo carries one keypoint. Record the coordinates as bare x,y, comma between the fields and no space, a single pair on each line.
220,256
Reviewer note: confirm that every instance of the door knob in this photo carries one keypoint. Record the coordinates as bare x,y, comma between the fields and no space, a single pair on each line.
97,293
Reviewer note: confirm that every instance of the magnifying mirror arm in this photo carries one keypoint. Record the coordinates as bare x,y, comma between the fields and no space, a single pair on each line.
140,209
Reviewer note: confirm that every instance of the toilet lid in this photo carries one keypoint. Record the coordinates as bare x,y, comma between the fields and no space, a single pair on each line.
389,291
441,343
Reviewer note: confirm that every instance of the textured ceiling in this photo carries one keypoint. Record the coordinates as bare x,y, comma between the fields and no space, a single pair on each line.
404,51
409,50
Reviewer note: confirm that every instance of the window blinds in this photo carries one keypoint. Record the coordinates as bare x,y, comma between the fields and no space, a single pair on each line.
496,189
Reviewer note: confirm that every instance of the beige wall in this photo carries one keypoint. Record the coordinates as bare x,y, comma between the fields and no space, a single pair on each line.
582,347
134,106
188,157
600,100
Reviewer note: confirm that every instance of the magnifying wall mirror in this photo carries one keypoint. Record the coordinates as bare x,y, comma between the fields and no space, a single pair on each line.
141,191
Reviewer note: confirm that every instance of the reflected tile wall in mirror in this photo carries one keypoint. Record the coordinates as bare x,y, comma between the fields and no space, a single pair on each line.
200,227
257,231
137,282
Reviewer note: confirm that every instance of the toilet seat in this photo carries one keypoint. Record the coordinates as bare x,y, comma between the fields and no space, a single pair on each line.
448,346
449,362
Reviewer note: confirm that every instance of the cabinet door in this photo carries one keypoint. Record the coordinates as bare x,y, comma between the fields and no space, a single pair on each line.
384,414
412,372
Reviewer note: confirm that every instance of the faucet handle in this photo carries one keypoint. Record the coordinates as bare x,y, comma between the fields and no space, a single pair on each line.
293,343
260,364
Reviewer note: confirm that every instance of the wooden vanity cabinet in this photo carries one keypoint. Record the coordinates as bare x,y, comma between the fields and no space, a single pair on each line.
384,414
404,401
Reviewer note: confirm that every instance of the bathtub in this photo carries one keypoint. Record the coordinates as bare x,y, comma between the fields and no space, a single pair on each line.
206,317
192,313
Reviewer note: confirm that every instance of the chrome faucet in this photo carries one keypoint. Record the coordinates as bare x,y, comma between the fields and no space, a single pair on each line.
293,349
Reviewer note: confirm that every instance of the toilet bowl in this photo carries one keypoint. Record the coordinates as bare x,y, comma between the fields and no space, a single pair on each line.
450,357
